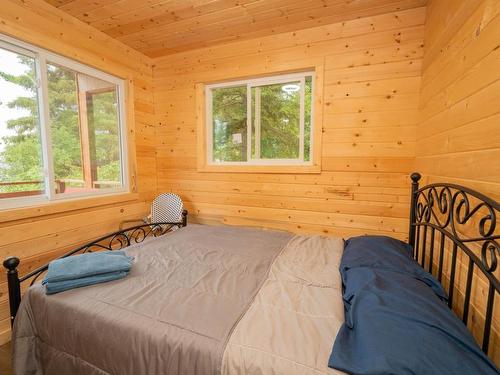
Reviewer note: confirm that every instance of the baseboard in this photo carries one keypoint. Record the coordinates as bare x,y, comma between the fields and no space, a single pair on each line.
5,337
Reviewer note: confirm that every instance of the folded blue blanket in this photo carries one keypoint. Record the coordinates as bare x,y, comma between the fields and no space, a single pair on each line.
61,286
86,269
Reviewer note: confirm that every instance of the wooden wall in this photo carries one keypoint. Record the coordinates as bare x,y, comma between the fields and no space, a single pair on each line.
379,124
458,136
371,86
39,234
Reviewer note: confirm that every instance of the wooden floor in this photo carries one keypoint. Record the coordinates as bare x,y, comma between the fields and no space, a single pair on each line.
5,368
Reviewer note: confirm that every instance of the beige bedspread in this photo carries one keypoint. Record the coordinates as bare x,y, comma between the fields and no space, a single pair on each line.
172,315
204,300
292,324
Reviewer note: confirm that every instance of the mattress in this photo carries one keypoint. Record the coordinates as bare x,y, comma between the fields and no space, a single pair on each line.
292,324
203,300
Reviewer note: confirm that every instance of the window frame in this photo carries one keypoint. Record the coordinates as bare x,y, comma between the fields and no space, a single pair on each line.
257,82
42,57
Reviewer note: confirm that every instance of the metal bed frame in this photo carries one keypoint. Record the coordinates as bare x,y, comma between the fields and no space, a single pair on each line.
113,241
442,208
450,210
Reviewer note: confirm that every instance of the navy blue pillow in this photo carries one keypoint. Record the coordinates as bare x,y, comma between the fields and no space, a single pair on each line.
385,253
395,324
396,321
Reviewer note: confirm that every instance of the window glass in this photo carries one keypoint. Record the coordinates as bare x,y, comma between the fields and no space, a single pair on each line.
84,125
61,130
279,120
229,124
104,119
21,166
276,121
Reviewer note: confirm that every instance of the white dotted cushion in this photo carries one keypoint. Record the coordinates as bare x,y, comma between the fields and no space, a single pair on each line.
166,207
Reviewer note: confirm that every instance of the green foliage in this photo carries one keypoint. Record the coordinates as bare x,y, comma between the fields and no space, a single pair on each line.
104,121
20,159
23,161
279,118
229,114
109,171
64,126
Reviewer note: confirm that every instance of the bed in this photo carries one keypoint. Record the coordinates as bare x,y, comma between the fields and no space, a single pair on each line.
228,300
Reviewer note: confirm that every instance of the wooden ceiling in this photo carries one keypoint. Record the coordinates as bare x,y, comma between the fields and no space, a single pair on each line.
162,27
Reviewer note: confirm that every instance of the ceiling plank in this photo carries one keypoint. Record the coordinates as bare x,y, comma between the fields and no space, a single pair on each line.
162,27
177,38
307,13
58,3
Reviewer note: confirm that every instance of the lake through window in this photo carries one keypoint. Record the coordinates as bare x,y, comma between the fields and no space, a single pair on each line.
60,127
265,121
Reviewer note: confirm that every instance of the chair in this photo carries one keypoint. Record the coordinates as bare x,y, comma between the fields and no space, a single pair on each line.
165,208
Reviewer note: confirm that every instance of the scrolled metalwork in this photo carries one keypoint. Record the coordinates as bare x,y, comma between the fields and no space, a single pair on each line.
466,220
464,212
491,248
112,242
434,204
453,207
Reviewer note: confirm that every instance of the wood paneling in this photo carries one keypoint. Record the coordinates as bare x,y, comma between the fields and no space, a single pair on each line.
163,27
458,136
380,122
370,112
39,234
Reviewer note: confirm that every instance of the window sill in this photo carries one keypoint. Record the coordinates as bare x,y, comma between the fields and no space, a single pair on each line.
68,205
261,168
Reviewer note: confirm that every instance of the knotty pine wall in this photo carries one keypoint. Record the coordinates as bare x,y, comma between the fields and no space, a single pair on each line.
458,136
38,235
370,107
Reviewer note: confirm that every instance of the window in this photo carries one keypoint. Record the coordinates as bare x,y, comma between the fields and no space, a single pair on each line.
61,128
265,121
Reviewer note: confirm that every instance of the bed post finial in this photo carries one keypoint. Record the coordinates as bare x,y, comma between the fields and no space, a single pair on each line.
415,178
14,285
184,218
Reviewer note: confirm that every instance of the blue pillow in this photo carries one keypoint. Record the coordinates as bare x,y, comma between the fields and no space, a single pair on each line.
396,321
385,253
395,324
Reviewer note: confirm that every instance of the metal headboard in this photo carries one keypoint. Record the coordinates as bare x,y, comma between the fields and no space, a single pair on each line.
113,241
467,220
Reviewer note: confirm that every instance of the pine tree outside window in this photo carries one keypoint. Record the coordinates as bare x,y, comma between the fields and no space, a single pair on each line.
263,121
61,128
